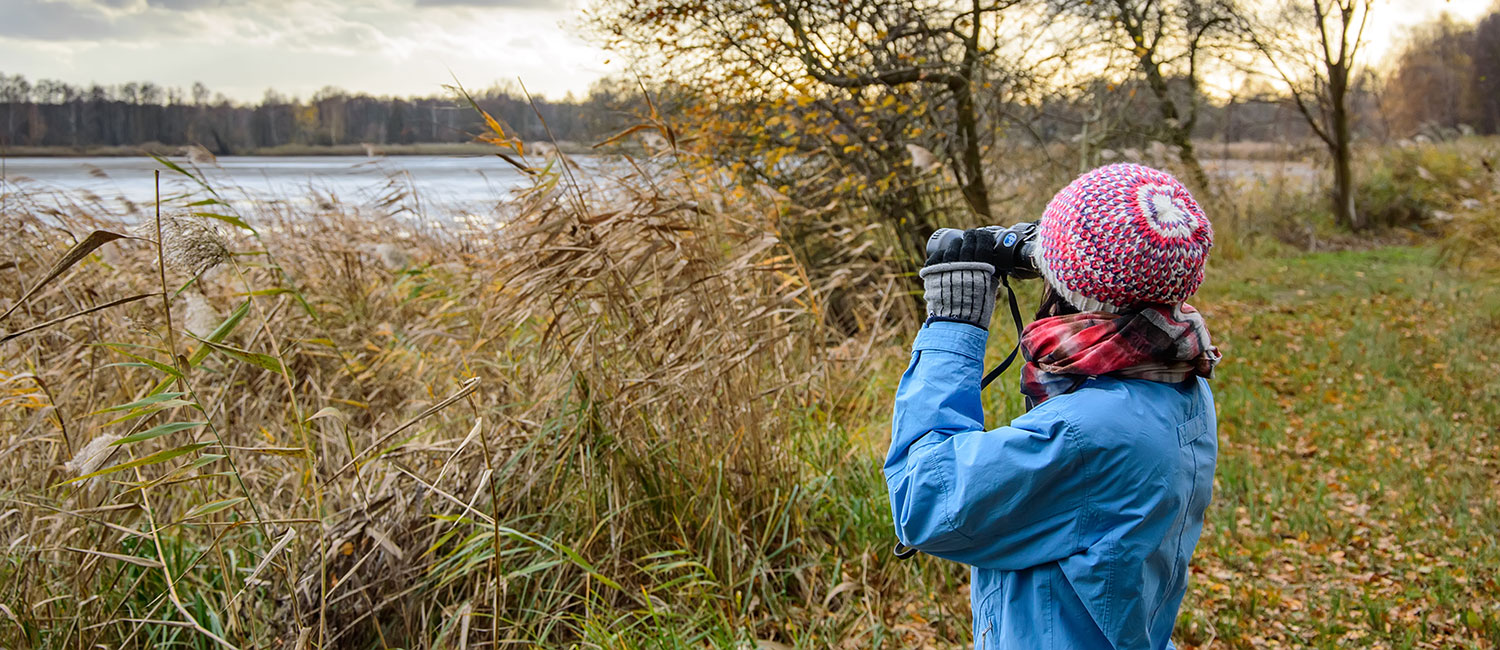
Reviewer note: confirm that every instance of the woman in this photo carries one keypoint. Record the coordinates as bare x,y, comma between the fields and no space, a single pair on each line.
1077,518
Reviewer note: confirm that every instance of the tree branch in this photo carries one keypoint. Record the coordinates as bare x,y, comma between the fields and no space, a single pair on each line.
1297,94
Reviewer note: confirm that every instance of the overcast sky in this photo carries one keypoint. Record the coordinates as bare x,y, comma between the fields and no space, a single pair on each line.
243,47
403,47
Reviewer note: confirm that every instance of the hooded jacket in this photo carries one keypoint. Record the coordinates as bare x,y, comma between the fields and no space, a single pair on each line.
1078,519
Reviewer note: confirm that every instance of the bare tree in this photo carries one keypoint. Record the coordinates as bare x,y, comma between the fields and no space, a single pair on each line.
1313,45
1167,41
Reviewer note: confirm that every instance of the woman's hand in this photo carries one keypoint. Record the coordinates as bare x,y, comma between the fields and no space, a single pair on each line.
959,280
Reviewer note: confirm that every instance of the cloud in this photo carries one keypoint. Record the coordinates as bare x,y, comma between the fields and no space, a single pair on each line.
186,5
92,20
334,37
348,25
54,21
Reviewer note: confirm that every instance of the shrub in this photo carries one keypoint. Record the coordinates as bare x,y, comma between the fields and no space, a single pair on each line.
1410,186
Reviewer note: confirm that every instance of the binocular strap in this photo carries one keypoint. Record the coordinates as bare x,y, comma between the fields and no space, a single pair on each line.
1015,317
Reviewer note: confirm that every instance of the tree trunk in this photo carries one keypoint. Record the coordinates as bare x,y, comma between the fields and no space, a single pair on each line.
1179,126
974,189
1343,184
1343,169
1189,158
1179,133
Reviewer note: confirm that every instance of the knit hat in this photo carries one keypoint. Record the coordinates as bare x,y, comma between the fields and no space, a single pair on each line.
1122,235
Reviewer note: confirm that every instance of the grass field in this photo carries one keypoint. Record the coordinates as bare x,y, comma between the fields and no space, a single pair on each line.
1356,492
356,433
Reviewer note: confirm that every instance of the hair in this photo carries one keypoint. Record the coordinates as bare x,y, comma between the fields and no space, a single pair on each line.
1053,304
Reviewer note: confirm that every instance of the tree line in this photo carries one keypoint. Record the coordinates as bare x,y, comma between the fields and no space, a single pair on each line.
1447,77
49,113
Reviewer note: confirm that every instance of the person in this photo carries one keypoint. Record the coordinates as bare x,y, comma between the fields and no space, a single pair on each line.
1079,517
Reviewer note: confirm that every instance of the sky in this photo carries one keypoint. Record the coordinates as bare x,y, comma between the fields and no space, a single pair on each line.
243,47
384,47
1391,17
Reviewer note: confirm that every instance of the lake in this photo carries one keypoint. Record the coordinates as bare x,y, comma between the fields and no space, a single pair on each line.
442,185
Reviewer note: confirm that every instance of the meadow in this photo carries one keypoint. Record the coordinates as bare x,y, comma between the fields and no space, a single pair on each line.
638,416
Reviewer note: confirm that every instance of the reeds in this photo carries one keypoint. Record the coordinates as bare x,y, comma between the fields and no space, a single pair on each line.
604,423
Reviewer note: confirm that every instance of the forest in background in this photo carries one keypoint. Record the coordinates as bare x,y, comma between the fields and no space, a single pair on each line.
49,113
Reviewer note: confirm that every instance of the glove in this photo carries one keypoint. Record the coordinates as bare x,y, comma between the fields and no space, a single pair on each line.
959,280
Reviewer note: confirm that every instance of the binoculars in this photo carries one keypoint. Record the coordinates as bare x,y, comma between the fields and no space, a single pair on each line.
1014,245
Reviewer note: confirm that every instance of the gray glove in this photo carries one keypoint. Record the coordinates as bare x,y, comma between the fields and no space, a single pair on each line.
960,282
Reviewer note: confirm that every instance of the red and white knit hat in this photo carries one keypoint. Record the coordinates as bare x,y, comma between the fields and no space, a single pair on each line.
1122,235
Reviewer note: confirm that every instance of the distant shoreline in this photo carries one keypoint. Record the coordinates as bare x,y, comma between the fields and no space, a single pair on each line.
416,149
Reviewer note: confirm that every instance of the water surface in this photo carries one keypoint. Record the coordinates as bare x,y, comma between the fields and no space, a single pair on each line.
436,185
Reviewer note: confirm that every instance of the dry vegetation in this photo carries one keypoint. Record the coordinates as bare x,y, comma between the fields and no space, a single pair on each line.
636,417
592,425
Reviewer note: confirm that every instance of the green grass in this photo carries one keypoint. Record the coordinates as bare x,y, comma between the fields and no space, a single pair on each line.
1355,495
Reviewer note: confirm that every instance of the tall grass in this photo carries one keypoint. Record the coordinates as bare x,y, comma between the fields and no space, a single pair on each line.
611,421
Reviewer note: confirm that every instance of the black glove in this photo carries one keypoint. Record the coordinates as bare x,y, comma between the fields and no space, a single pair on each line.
959,280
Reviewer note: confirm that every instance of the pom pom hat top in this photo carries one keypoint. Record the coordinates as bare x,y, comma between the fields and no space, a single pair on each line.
1123,235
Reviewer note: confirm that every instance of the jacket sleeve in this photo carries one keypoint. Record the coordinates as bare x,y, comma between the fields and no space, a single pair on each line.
1005,498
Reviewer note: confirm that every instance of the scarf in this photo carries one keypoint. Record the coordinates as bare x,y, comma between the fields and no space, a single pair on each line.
1157,342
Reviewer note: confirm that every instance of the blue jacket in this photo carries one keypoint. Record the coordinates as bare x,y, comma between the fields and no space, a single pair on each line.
1078,519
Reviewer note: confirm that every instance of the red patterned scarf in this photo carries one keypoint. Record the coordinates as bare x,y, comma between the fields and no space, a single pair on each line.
1159,343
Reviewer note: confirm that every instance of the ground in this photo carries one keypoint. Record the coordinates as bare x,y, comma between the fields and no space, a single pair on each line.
1355,496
